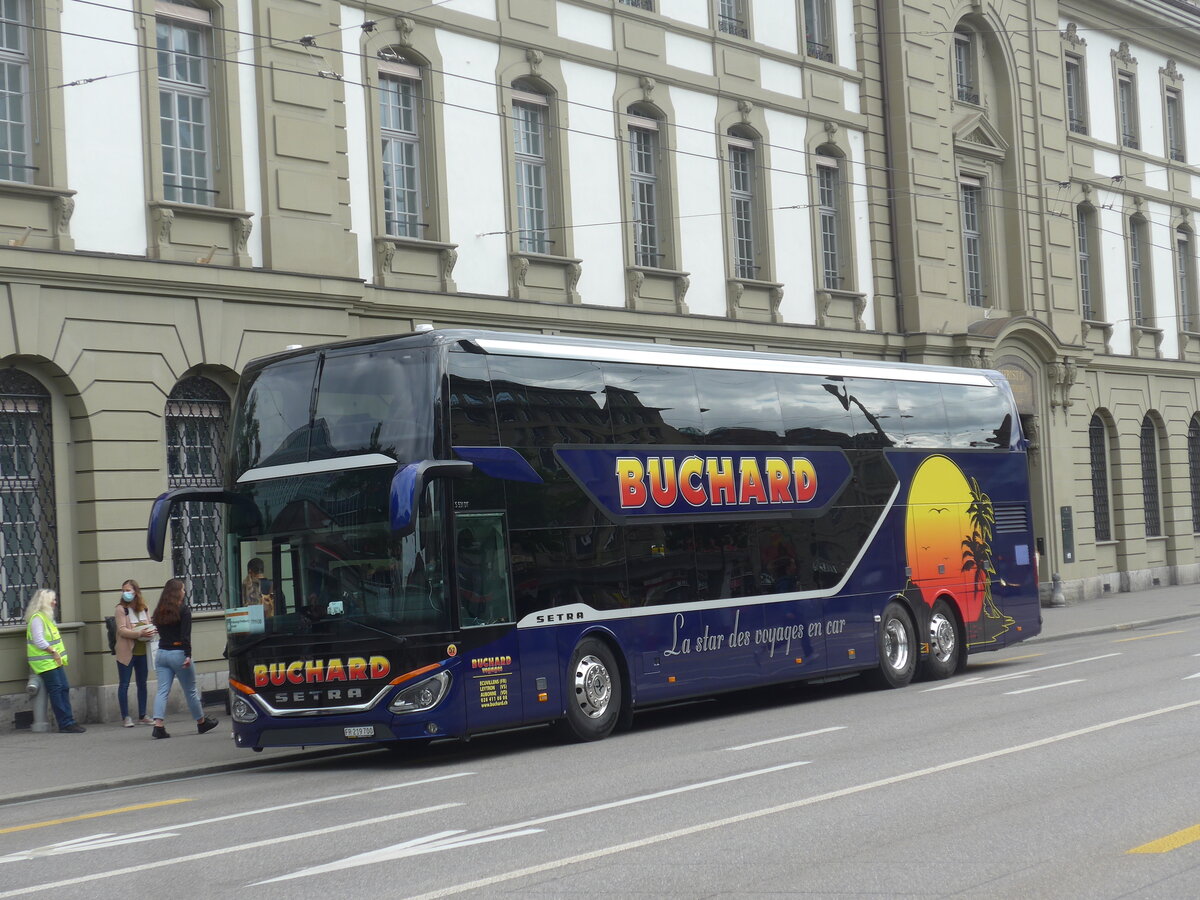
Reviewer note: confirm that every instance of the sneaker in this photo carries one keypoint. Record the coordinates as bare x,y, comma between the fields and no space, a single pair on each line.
128,722
73,729
159,732
145,720
206,724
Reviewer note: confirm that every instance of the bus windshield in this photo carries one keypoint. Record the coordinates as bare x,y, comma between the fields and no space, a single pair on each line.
315,556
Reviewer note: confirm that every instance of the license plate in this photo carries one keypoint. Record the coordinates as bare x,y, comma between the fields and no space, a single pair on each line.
359,731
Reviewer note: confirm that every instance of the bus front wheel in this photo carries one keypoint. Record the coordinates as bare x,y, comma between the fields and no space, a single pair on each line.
945,643
593,691
897,647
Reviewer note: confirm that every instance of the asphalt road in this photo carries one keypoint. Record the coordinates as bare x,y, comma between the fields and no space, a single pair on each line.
1064,769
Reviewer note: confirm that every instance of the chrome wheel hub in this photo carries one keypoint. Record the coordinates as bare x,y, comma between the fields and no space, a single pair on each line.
593,687
941,637
895,645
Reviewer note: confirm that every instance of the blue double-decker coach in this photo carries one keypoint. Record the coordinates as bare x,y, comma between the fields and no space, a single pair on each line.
456,531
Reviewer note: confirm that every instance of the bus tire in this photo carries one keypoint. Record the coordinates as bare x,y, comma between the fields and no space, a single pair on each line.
593,686
897,647
945,642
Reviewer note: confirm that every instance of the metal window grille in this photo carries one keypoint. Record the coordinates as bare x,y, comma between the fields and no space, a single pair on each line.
964,68
1076,116
28,533
1175,129
184,111
399,107
1085,264
529,140
1193,447
643,173
730,19
1135,269
818,38
828,191
639,4
14,92
1127,111
1149,454
972,225
197,417
1098,456
741,191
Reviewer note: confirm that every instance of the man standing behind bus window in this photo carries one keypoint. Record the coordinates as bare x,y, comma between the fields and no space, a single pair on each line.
252,588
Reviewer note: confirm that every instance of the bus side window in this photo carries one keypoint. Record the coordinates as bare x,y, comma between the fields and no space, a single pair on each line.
481,561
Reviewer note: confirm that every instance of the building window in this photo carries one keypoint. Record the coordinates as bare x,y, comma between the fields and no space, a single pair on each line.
1098,456
731,18
1127,110
15,152
1085,227
971,193
1139,276
1076,98
196,419
1185,280
1193,449
1175,131
28,536
184,41
742,184
967,89
530,132
1149,454
831,218
400,137
818,30
644,169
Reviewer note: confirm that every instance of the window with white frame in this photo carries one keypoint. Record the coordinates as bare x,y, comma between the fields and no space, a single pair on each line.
15,151
644,169
184,41
971,198
742,183
1175,131
1085,226
1185,280
1139,276
1150,495
818,30
966,86
731,17
830,216
400,144
530,121
1127,110
1077,120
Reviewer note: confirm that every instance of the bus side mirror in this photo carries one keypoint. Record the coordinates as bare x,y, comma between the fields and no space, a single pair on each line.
408,484
160,513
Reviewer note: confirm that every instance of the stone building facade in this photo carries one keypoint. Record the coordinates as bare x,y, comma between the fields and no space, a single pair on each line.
188,184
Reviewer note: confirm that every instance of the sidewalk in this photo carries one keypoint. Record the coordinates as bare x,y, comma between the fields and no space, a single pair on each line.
111,756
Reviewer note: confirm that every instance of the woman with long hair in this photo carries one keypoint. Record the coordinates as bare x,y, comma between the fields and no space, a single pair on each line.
47,657
134,632
173,619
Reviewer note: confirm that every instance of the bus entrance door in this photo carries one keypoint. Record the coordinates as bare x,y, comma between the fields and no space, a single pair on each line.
486,616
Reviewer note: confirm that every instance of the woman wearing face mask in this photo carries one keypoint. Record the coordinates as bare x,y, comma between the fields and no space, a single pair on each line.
133,632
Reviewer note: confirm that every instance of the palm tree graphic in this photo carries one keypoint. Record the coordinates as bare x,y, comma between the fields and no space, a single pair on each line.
977,558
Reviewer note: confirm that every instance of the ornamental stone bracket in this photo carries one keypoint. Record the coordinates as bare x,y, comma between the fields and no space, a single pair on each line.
975,358
545,278
402,262
753,301
1147,342
186,232
841,309
1031,426
1189,345
650,289
1063,377
37,216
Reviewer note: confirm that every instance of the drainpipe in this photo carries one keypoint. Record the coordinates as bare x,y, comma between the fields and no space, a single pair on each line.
891,188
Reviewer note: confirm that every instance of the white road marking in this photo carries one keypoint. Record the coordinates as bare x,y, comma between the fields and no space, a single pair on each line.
108,839
787,737
529,827
1042,687
222,851
1197,675
1024,673
489,881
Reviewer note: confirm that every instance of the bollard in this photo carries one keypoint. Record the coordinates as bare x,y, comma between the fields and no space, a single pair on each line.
36,688
1057,598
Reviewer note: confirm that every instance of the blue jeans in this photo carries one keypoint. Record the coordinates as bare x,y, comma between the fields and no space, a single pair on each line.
59,689
168,664
137,666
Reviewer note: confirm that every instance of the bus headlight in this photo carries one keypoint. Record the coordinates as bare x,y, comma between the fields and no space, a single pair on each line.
423,695
241,709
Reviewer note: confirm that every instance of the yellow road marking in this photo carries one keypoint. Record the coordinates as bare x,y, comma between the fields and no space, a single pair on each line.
1007,659
94,815
1170,842
1142,637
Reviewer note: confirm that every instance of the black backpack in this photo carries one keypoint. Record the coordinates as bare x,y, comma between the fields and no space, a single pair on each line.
110,623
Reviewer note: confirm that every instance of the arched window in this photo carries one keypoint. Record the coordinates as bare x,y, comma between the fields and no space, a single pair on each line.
197,417
1150,495
1193,448
1098,456
28,537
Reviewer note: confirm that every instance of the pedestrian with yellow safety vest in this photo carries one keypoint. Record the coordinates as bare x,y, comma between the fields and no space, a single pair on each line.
48,657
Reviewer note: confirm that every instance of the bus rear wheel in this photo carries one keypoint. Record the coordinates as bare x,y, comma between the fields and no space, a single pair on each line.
593,691
945,643
897,647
